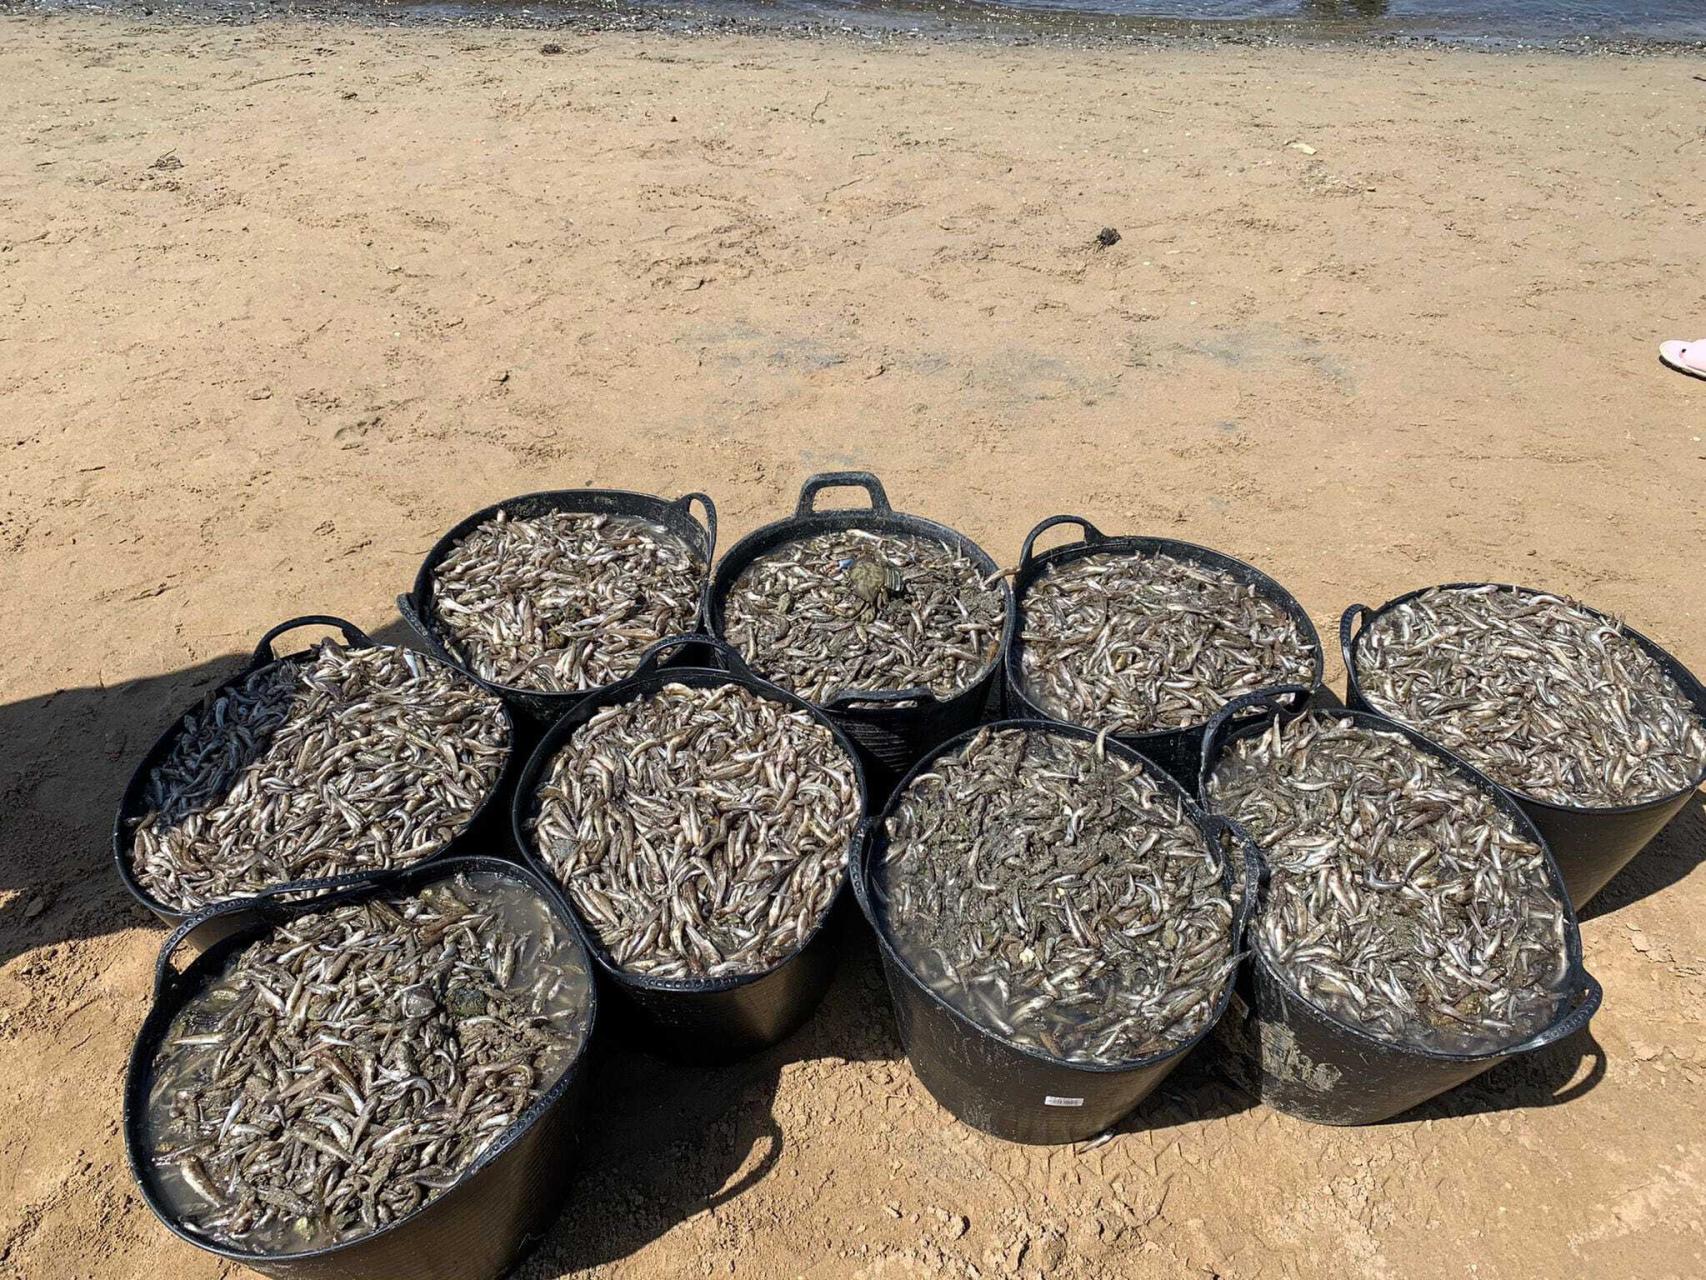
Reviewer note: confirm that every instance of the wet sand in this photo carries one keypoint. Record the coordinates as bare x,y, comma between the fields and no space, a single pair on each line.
280,302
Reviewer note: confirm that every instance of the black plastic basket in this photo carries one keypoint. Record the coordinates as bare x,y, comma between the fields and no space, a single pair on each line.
1300,1059
500,1206
1179,751
1590,845
538,705
698,1019
133,806
893,727
1000,1088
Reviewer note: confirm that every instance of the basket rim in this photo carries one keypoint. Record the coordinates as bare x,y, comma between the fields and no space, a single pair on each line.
525,805
1690,685
1148,545
1199,818
130,811
1506,803
438,869
754,545
583,501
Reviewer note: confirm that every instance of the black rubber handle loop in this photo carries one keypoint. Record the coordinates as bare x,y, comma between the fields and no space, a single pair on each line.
653,657
1255,872
264,906
356,637
166,978
685,502
1588,1005
1282,699
843,480
1092,535
847,698
1359,613
859,863
418,624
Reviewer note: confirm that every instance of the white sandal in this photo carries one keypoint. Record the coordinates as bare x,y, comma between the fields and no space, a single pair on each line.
1685,357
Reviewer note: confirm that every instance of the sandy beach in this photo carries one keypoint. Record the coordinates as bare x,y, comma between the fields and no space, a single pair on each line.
281,302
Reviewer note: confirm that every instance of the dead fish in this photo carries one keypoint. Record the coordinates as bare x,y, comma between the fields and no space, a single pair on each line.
343,1090
1536,692
860,610
1140,643
1057,896
702,832
564,601
352,760
1401,898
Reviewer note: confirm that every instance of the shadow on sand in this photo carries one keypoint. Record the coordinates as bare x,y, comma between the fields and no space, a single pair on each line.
65,758
1539,1079
666,1142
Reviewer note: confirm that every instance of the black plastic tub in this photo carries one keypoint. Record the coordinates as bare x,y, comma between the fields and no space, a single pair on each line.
706,1020
1178,751
1298,1058
1000,1088
212,925
1590,846
893,727
476,1230
538,705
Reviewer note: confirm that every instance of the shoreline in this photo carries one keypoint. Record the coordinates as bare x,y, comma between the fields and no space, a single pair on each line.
968,23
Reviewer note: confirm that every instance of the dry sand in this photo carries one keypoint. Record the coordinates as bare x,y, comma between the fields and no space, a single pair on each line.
279,303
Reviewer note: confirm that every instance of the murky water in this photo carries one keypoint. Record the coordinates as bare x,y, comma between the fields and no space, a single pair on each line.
1497,23
344,1069
1503,20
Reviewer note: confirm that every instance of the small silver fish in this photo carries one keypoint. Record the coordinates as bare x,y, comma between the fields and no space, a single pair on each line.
347,1067
1053,893
564,601
1138,643
1539,694
701,832
349,760
1401,897
857,609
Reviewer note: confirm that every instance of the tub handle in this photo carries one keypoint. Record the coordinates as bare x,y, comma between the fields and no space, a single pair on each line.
1286,700
851,699
685,502
1587,1004
858,864
261,908
166,975
843,480
1092,535
1255,872
416,618
1359,614
653,657
264,652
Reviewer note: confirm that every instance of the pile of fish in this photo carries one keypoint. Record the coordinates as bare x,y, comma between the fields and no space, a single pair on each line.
1057,896
346,1068
564,601
1401,898
352,760
1136,643
1541,695
860,610
701,832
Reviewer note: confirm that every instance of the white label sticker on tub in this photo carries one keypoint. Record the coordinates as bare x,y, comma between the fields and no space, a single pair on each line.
1052,1101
